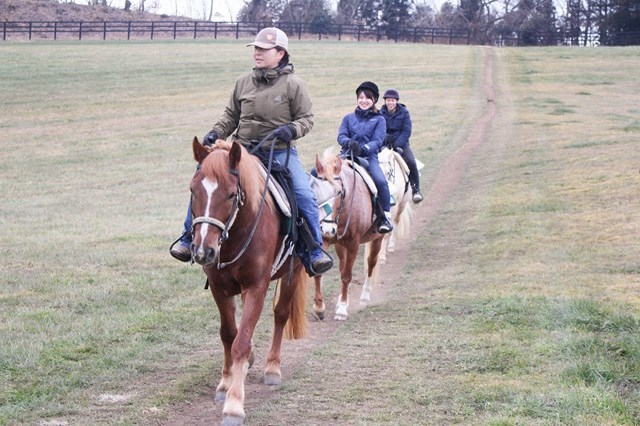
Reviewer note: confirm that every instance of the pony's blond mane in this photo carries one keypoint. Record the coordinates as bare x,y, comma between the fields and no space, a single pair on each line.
330,160
216,166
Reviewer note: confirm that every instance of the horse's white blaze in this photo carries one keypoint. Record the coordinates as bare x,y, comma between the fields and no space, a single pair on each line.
209,187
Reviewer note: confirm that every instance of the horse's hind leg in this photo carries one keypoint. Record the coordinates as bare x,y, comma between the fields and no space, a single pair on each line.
289,311
372,250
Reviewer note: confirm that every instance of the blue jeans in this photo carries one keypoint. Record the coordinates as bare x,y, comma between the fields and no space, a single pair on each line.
381,182
306,199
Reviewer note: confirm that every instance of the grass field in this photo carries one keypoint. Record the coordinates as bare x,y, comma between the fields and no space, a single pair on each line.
519,305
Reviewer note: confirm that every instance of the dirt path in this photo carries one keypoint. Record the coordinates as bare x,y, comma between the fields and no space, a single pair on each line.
204,411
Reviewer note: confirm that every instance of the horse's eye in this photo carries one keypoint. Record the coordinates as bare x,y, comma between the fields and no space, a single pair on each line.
232,196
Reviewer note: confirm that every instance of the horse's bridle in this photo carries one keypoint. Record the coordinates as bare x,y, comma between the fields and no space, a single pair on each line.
224,226
237,203
343,194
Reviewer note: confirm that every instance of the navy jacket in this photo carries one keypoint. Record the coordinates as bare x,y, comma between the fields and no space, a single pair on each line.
398,124
366,127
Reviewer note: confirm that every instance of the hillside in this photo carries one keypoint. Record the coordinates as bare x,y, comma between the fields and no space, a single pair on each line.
51,10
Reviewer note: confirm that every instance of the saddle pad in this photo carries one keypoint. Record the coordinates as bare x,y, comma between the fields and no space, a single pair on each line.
365,176
277,193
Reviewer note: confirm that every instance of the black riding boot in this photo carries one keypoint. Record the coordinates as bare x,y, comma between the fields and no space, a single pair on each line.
384,222
417,195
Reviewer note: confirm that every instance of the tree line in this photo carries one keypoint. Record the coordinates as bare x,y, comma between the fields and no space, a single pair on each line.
531,22
528,22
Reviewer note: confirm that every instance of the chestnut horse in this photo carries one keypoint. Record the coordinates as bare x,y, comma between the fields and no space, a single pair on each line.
350,224
237,238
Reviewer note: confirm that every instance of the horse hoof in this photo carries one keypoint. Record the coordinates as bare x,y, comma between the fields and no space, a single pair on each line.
272,379
320,312
340,317
232,420
221,396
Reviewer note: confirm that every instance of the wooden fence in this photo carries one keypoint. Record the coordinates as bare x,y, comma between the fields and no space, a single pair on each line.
205,29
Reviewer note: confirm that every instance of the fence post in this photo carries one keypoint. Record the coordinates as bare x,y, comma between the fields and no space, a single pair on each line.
195,30
175,29
339,32
153,27
104,31
358,32
215,30
55,30
237,30
30,26
80,31
4,30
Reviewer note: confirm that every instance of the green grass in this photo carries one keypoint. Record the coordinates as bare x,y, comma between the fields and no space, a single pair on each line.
518,305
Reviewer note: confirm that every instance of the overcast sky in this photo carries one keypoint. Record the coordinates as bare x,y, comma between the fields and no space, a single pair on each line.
223,10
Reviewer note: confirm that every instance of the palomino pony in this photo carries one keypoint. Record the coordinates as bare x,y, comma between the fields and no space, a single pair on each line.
350,224
397,174
238,241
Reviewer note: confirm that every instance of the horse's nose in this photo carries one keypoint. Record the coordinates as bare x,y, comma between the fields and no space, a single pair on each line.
204,255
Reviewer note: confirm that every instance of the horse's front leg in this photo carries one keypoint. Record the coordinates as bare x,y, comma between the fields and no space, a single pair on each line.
372,250
318,299
347,256
228,331
241,353
386,246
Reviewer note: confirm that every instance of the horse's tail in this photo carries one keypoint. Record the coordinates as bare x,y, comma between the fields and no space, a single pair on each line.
404,220
296,326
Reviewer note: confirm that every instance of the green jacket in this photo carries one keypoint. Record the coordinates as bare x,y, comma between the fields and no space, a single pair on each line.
262,101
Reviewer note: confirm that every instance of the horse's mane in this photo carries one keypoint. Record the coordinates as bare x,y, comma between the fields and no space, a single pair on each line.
216,166
330,159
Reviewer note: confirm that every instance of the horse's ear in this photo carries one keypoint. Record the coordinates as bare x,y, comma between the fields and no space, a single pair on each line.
199,150
338,163
234,155
319,166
